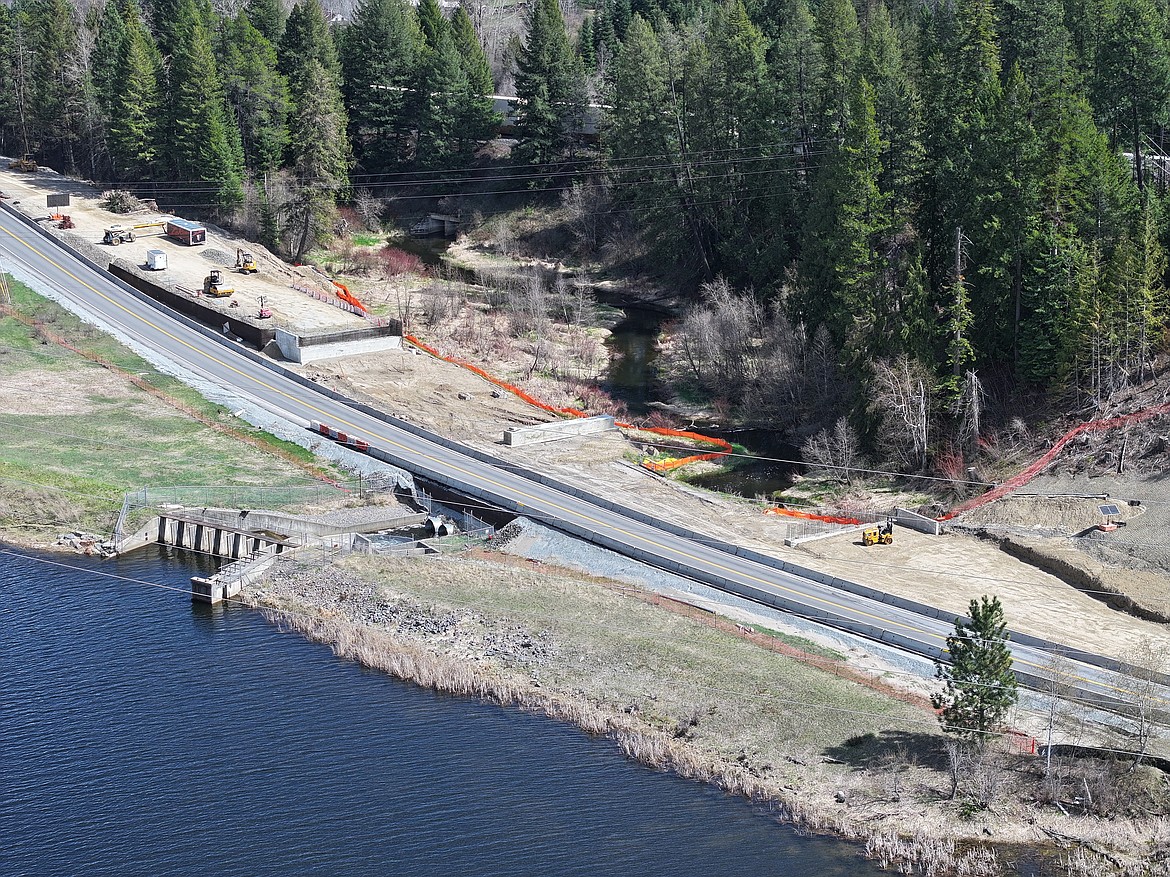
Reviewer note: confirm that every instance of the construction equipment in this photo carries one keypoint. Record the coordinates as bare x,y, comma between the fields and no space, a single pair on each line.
245,264
265,312
213,285
883,535
26,164
118,234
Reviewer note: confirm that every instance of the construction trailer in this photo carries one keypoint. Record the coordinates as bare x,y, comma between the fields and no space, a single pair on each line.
190,233
156,260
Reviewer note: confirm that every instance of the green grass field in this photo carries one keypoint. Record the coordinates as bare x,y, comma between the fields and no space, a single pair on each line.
75,436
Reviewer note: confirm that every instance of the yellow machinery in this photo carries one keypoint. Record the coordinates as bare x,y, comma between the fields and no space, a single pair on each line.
213,285
878,535
245,263
27,164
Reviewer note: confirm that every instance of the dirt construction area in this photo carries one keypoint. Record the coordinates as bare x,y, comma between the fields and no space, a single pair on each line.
947,571
187,266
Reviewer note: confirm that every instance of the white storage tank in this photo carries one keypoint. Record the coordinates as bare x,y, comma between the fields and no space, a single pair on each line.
156,260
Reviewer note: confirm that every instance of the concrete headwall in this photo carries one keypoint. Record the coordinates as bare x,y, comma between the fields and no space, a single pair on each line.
559,429
918,522
302,349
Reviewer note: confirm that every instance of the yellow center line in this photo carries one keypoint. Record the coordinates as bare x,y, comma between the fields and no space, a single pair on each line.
884,623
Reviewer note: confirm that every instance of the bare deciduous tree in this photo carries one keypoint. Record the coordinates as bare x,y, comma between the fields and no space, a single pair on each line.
839,449
904,395
369,207
587,203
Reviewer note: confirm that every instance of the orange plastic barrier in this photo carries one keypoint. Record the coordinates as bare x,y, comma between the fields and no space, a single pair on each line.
653,465
348,297
809,516
1033,470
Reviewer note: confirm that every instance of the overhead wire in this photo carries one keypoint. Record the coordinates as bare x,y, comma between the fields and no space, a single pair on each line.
682,158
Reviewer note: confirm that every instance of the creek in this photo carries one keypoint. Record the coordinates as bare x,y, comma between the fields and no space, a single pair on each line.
632,378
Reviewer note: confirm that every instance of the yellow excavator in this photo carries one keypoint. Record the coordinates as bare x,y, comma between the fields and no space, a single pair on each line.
878,535
245,264
213,285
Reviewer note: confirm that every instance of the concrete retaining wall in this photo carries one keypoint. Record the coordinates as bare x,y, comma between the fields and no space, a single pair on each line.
918,522
297,528
194,309
302,349
558,429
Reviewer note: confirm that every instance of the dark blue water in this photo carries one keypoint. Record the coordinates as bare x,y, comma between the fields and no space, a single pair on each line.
144,736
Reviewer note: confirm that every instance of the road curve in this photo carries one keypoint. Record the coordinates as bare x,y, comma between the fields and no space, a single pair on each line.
32,253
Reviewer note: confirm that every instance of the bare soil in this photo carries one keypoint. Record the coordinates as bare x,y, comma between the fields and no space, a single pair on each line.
186,266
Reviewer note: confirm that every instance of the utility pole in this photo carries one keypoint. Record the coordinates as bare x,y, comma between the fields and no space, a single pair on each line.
957,366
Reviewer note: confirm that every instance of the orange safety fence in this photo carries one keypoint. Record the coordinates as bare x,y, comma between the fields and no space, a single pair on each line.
1019,480
348,297
659,466
809,516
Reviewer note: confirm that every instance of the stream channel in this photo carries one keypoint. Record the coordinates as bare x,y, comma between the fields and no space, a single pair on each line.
633,379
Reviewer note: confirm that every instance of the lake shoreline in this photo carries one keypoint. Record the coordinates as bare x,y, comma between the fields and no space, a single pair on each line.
408,644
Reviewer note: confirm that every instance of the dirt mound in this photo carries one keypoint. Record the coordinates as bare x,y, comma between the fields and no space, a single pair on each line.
1054,514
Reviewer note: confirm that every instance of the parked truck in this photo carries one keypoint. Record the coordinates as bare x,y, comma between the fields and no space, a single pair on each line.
190,233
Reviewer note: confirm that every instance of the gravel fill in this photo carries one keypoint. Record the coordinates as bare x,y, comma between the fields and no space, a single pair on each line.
219,257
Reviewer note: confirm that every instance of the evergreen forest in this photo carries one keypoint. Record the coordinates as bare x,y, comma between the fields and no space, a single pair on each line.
941,197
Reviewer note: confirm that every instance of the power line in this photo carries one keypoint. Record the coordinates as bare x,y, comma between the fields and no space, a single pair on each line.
422,177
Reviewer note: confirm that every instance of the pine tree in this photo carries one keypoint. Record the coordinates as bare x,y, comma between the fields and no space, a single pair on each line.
133,133
202,144
897,110
16,86
1133,75
103,60
470,49
256,93
839,39
731,114
587,45
549,85
431,22
306,38
452,115
639,125
267,16
796,70
849,219
980,686
320,160
381,51
56,82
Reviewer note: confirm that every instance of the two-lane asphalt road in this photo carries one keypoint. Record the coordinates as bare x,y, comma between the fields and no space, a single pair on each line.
28,252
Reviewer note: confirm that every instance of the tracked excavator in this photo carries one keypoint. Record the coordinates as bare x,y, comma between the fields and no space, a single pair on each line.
245,264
